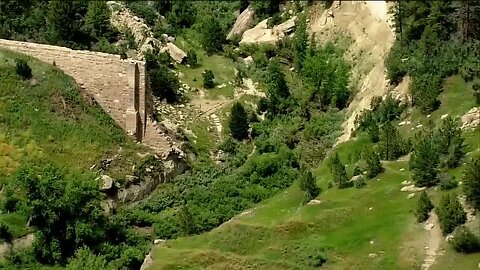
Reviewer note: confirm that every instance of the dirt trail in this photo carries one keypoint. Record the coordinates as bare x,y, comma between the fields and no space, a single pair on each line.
433,241
368,25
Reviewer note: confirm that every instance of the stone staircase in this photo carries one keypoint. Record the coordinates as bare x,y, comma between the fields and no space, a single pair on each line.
157,140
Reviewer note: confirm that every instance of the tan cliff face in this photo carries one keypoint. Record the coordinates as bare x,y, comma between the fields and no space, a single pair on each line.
368,25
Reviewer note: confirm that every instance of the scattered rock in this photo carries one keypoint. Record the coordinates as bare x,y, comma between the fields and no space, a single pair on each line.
107,182
449,237
314,201
159,242
444,116
170,39
372,255
412,188
402,123
428,226
370,208
402,169
248,60
411,195
406,182
419,125
371,242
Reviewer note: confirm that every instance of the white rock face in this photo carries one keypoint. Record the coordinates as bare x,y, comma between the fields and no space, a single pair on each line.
242,23
412,188
471,119
261,34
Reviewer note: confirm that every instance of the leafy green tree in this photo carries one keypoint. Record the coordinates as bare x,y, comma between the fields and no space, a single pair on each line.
164,84
465,241
424,206
391,145
182,14
208,79
278,92
97,20
265,7
213,35
300,43
238,122
65,208
424,162
471,183
338,171
308,185
450,213
374,167
86,259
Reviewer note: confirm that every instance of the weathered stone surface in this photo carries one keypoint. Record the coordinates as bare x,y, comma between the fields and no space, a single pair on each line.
242,23
286,27
107,183
261,34
412,188
471,119
176,53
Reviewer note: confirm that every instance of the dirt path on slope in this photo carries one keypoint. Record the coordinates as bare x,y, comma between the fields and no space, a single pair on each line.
433,241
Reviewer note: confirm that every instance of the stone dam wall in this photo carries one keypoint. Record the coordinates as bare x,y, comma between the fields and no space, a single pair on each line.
119,86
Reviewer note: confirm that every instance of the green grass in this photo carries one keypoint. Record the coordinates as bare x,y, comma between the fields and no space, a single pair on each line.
16,223
280,233
222,67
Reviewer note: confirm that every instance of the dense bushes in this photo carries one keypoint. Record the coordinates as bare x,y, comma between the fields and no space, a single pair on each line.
424,206
208,79
163,82
238,122
23,69
465,241
471,183
450,213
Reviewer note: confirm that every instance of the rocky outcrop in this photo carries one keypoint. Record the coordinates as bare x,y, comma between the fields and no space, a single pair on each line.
175,53
122,19
471,119
173,165
261,34
242,23
107,183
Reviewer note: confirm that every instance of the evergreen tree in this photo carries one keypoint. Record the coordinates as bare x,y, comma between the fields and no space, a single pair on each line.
374,167
391,144
465,241
424,206
5,233
59,21
471,183
212,36
338,171
450,142
208,79
277,89
308,185
300,43
450,213
97,20
185,221
424,162
238,122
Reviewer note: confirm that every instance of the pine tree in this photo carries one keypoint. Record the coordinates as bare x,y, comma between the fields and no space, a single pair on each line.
450,213
238,122
424,206
424,162
212,35
391,144
97,20
208,79
308,185
450,142
277,89
338,171
471,183
185,221
374,167
300,43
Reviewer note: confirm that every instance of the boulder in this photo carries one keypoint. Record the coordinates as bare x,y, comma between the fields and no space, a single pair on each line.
356,177
248,60
428,226
242,23
286,27
159,242
176,53
107,183
411,195
314,202
412,188
471,119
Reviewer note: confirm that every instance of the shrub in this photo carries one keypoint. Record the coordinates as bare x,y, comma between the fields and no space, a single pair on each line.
476,92
229,145
238,122
424,206
23,69
374,167
471,183
446,181
465,241
356,171
208,78
450,213
5,232
360,182
164,84
192,58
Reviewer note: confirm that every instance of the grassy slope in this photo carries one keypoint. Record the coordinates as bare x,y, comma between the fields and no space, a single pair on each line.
281,234
46,118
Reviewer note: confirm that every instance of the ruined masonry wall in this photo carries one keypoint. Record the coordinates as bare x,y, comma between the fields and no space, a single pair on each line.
106,77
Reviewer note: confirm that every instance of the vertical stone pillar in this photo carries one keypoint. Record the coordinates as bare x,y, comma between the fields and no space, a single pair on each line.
133,116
